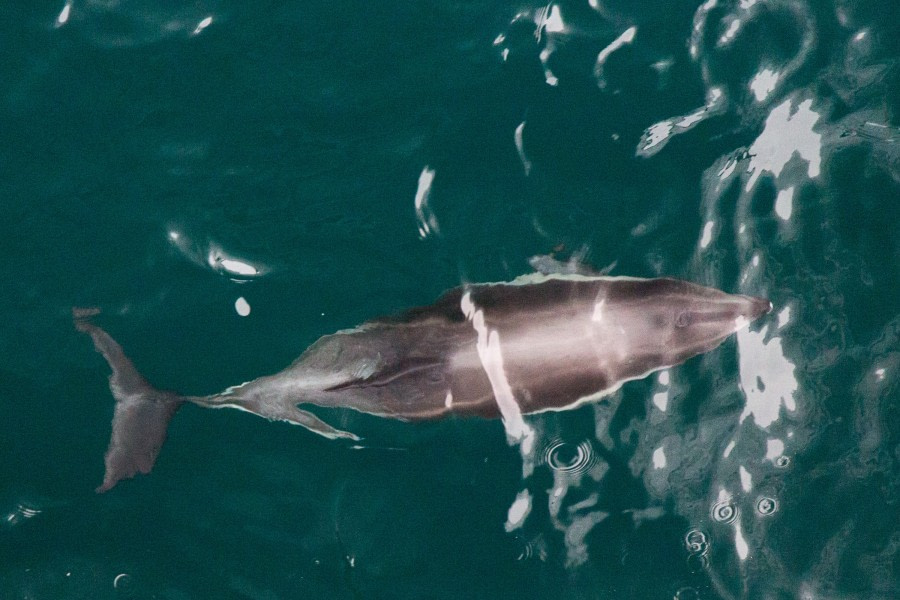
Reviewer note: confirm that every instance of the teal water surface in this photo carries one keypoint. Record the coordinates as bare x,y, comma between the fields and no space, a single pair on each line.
228,181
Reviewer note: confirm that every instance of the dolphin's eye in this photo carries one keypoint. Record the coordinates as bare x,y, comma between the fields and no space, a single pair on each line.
684,319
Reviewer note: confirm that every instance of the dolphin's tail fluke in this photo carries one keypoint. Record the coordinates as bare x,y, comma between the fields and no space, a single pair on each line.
142,412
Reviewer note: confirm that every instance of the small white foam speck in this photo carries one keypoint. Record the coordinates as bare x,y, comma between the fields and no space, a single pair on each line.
206,22
659,458
242,306
784,316
707,234
63,17
661,401
784,203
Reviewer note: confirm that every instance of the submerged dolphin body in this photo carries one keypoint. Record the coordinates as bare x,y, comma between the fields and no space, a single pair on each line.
538,343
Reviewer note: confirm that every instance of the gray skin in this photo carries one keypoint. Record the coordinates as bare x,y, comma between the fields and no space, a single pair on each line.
542,342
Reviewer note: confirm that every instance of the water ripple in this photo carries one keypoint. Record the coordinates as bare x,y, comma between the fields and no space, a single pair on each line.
566,457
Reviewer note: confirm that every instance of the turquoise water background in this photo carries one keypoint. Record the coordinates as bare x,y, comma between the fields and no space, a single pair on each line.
362,157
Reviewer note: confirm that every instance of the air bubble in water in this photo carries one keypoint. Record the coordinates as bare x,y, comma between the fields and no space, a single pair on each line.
766,506
571,458
696,542
687,593
724,512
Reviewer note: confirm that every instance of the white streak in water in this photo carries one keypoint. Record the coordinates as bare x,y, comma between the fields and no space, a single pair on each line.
626,38
64,14
424,215
707,234
728,449
206,22
746,479
520,148
740,544
518,511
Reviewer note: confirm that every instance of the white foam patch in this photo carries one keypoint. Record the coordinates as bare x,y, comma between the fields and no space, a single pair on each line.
763,84
491,357
759,358
553,22
691,119
787,132
656,135
576,532
518,511
774,448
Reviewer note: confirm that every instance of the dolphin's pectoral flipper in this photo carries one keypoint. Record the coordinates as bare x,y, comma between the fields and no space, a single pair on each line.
142,412
267,401
296,416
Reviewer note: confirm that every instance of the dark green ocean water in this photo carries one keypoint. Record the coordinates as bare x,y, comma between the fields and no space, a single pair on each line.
363,157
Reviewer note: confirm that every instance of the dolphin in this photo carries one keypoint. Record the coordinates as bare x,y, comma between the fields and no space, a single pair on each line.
538,343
